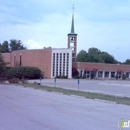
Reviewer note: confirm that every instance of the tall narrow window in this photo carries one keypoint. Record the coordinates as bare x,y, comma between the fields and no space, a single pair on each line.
20,60
14,60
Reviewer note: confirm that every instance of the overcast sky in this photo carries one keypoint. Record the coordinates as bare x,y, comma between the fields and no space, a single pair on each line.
104,24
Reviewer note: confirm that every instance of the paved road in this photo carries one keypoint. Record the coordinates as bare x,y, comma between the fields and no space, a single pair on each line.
119,88
31,109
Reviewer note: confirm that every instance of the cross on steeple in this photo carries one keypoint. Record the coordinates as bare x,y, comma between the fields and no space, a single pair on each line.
73,8
72,25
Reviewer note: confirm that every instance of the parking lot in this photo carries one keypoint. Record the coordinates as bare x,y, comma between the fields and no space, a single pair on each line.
112,87
30,109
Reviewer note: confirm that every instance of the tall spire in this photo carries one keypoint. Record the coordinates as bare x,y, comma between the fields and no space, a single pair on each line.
72,38
72,25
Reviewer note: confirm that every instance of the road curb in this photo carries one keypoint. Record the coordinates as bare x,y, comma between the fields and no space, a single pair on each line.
100,100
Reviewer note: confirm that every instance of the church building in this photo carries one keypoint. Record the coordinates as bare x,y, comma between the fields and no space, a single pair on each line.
59,61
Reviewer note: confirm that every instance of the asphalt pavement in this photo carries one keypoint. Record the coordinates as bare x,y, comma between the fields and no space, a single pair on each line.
30,109
112,87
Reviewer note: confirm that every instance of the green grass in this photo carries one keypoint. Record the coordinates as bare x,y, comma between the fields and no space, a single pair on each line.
90,95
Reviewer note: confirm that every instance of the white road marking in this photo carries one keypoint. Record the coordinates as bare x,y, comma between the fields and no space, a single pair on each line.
121,85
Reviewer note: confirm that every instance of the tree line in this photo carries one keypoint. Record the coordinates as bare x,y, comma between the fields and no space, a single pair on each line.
94,55
10,46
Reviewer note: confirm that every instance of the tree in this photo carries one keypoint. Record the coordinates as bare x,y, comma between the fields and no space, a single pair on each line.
127,62
107,58
5,47
2,64
0,48
16,45
47,47
82,56
96,56
94,51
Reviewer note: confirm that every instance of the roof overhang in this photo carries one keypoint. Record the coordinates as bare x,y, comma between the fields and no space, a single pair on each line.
119,70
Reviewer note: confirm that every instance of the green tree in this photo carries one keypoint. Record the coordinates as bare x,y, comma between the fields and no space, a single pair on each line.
127,62
94,58
95,55
94,51
0,48
82,56
5,47
16,45
107,58
2,64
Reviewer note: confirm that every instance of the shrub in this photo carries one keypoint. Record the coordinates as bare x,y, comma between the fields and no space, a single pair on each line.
62,77
77,77
58,76
2,80
14,80
23,71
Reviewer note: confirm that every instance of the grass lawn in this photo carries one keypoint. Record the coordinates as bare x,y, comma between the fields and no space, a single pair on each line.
90,95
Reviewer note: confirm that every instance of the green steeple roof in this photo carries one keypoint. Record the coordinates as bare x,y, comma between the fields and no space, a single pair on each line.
72,25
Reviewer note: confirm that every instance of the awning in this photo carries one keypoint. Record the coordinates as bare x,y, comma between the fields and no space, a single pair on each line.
119,70
91,69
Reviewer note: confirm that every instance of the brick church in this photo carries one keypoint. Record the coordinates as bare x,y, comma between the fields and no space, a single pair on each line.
59,62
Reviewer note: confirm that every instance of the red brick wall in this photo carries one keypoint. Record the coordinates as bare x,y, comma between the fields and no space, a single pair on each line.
101,66
36,58
6,58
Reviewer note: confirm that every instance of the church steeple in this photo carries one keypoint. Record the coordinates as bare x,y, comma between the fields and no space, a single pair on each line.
72,25
72,39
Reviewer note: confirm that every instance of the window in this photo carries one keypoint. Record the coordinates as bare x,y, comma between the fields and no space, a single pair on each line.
57,55
112,74
53,55
20,63
81,73
67,55
100,73
106,74
127,74
88,72
73,60
14,60
119,75
73,55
